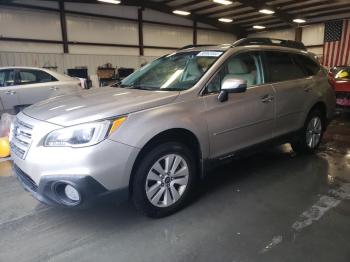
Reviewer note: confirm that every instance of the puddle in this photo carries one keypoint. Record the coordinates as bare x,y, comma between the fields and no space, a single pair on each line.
340,191
325,203
276,240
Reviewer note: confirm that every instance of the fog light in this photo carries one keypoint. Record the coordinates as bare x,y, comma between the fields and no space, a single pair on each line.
71,193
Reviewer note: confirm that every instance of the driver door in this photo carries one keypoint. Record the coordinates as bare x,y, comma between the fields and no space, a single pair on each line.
245,118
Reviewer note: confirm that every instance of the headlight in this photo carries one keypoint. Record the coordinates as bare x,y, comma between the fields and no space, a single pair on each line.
83,135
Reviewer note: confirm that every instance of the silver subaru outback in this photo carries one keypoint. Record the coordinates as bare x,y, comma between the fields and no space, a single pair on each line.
158,132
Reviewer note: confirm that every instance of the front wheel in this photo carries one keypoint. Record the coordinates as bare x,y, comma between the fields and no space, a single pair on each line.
311,135
164,180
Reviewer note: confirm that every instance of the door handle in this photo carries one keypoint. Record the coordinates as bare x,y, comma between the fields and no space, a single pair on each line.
11,93
267,98
54,88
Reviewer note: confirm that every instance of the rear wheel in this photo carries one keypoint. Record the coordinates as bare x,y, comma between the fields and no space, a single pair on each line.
311,135
164,180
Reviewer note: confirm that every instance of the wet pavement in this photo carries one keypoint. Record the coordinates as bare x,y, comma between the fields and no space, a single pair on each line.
273,206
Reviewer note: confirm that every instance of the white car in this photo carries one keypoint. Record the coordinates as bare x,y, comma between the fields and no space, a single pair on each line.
24,86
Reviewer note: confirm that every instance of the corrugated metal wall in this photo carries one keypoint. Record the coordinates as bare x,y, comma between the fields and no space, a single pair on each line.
34,24
279,34
312,35
64,61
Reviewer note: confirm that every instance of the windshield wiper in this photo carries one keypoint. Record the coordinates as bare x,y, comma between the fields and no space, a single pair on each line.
141,87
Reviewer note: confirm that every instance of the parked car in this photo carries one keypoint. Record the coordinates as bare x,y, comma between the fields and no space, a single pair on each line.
23,86
153,137
340,80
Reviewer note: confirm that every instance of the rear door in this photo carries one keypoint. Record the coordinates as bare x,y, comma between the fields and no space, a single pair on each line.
314,78
35,86
245,118
290,83
8,90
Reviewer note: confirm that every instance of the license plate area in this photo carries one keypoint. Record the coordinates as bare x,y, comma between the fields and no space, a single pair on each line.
343,101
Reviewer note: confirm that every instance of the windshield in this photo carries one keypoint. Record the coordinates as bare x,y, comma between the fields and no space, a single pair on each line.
175,72
340,72
343,74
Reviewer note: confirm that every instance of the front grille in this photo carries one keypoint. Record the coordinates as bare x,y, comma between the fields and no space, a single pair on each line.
21,138
25,179
341,95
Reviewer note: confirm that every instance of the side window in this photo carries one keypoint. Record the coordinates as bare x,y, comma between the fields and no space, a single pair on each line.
310,67
34,76
7,78
214,85
282,67
246,66
44,77
26,77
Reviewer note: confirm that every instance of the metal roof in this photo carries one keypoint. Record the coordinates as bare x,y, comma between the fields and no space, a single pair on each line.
245,13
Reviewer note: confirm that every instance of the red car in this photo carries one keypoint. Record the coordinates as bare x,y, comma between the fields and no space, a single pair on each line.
339,78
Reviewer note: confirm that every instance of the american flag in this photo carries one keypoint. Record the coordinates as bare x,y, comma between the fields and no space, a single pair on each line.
336,47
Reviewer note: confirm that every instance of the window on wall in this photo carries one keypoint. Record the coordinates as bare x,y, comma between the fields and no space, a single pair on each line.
282,67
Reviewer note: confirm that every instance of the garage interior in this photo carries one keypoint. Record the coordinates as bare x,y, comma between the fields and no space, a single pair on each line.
274,205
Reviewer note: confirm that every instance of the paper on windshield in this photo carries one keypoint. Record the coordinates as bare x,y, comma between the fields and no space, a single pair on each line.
210,53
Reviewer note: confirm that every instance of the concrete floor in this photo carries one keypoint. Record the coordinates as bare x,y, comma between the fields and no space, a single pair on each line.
274,206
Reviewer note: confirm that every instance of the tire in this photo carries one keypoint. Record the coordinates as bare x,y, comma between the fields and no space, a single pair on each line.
310,137
167,191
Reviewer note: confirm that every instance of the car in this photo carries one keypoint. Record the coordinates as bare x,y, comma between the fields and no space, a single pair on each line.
340,80
156,135
24,86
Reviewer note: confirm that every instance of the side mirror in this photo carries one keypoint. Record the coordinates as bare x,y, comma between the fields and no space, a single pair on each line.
231,85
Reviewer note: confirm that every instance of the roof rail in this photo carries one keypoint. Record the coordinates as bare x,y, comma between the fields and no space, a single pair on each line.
192,46
270,41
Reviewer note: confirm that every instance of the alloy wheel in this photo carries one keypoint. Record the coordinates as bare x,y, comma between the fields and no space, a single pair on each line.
314,132
167,180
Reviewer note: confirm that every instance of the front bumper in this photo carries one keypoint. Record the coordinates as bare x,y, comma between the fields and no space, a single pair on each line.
95,170
89,189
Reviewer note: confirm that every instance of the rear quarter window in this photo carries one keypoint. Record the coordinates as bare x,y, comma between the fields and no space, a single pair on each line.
282,67
309,66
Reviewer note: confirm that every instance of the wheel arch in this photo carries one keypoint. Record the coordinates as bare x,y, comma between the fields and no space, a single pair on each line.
322,107
180,135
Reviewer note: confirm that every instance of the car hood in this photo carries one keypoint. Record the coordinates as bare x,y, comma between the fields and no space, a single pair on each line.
96,104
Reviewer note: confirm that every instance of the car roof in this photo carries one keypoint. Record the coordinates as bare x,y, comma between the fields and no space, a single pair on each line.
59,76
26,67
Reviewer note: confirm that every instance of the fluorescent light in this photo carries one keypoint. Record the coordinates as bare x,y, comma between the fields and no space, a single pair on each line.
225,20
181,12
259,27
299,20
116,2
223,2
267,11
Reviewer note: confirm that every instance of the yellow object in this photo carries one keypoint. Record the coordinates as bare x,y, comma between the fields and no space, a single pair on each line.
116,124
342,74
4,147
